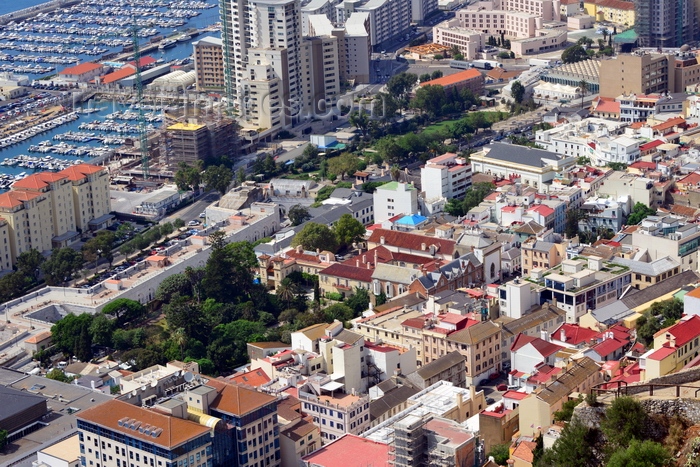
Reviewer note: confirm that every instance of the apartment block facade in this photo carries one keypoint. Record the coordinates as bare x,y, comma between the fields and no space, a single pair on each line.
209,64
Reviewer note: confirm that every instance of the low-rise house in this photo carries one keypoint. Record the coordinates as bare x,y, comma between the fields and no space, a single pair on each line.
674,347
450,367
537,410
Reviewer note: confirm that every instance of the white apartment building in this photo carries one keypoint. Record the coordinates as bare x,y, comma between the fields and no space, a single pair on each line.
605,213
394,198
445,177
533,167
598,139
548,10
421,9
335,414
235,41
358,47
669,236
514,24
321,74
388,19
316,7
469,41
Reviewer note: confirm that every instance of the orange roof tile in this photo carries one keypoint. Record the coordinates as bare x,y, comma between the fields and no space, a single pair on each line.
38,181
525,450
176,431
13,199
80,171
237,400
123,72
252,378
80,69
454,78
36,338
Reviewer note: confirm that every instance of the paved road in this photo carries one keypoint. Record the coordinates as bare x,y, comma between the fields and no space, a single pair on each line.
192,211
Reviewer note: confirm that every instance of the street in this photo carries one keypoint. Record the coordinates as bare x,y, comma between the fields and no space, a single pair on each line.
192,211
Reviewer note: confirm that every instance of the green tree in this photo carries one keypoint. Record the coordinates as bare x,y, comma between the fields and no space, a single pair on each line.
298,214
359,301
500,453
641,454
228,343
98,247
60,267
639,213
424,78
573,54
584,87
101,329
240,176
287,291
360,120
517,90
29,263
348,230
573,217
315,236
624,421
567,410
125,230
430,99
399,86
380,299
574,448
346,163
3,439
436,74
178,223
217,178
338,311
124,310
390,150
188,177
57,374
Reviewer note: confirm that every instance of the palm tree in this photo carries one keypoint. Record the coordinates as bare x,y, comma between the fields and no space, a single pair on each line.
583,87
180,338
286,291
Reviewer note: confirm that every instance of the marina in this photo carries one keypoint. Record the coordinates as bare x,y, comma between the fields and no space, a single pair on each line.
55,39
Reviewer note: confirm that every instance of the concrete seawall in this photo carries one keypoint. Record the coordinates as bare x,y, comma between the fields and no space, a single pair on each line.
35,10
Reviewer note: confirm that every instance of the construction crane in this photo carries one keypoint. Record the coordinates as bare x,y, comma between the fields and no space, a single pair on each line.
143,132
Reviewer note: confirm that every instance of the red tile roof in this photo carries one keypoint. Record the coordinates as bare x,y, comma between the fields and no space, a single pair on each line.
517,395
175,431
455,78
690,179
143,61
253,378
123,72
647,147
544,374
13,199
525,451
542,210
345,271
80,69
350,451
607,106
412,241
662,353
668,124
237,400
574,333
683,331
608,346
521,341
616,4
80,171
417,323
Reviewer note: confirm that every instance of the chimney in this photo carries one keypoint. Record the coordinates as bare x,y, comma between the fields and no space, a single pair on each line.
423,246
381,240
364,259
459,400
376,258
544,336
357,263
369,265
562,335
300,249
92,384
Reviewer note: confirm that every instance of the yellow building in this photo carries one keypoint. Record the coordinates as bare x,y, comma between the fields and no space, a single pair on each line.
615,11
674,348
91,201
537,410
58,189
29,225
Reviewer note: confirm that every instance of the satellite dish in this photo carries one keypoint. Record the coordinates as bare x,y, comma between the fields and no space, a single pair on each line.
188,377
133,393
143,388
154,383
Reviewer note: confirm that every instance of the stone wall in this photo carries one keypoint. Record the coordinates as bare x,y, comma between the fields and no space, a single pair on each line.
686,408
688,376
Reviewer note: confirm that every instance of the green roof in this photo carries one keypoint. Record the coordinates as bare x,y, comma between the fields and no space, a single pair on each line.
394,186
627,37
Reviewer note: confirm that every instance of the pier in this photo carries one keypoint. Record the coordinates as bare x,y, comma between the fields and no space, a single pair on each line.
35,10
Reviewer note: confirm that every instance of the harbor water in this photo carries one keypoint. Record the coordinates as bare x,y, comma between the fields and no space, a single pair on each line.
20,150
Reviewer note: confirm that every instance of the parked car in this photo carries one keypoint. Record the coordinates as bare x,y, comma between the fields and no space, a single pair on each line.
193,223
490,400
502,387
484,382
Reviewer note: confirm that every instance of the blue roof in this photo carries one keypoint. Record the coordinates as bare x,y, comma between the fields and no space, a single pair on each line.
412,220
